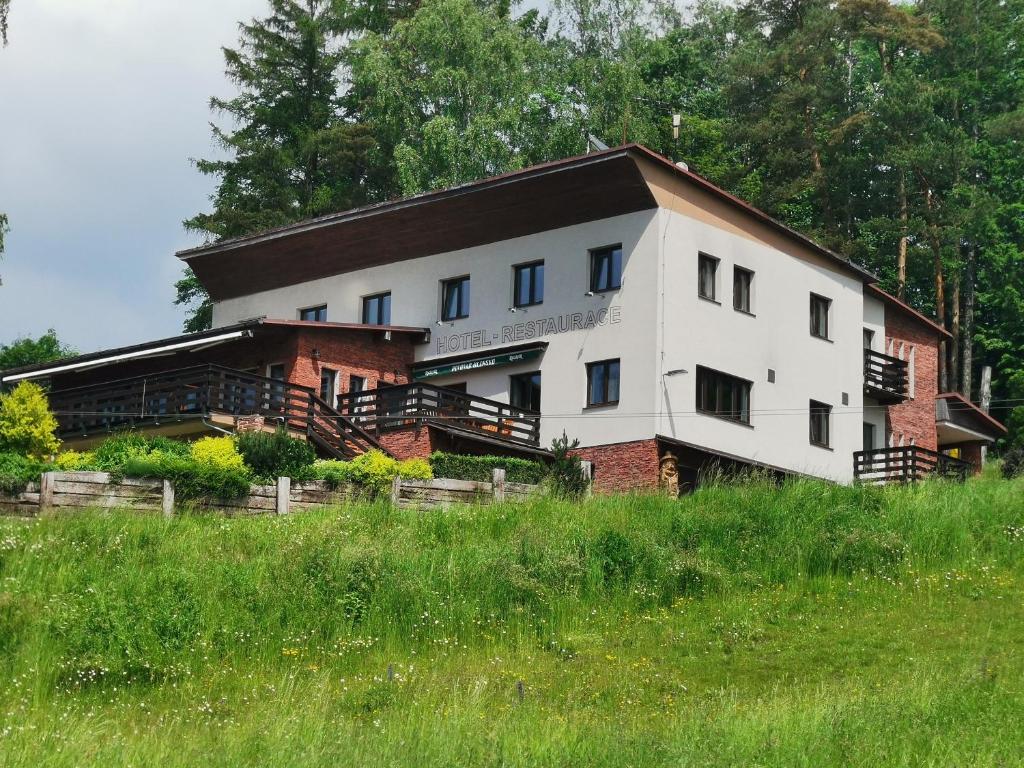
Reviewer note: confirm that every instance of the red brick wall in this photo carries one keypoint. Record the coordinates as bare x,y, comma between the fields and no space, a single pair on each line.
409,443
354,353
914,418
621,467
972,453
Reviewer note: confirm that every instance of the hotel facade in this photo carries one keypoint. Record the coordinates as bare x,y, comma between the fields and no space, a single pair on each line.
616,297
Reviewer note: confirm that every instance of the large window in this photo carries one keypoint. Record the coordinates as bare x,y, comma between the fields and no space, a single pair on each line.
529,284
819,315
742,281
455,298
524,391
606,269
603,382
377,309
707,275
821,415
722,395
314,314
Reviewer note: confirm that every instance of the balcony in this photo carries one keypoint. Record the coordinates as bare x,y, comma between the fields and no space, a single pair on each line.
886,378
187,401
906,464
391,408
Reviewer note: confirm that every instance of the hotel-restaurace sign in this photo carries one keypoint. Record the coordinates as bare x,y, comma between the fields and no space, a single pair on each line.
528,330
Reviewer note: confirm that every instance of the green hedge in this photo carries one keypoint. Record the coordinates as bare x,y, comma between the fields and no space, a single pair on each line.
17,471
455,467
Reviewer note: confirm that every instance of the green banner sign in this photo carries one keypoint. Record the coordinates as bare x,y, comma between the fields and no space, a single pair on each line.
468,366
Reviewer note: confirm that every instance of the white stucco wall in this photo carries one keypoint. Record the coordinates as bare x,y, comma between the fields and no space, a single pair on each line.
777,336
620,324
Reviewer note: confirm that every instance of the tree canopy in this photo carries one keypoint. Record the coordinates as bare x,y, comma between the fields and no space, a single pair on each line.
890,132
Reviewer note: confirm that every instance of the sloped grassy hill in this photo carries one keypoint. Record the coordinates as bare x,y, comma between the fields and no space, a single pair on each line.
813,625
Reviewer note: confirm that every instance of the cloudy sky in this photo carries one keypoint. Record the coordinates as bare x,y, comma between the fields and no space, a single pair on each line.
102,103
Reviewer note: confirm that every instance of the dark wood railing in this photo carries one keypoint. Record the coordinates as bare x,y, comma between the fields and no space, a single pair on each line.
199,392
906,464
885,377
388,408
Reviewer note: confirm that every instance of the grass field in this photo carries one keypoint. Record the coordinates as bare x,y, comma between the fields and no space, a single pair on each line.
809,626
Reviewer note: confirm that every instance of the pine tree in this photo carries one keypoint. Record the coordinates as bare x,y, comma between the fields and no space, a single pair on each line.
292,150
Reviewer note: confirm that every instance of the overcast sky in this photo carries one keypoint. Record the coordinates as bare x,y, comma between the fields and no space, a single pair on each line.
102,103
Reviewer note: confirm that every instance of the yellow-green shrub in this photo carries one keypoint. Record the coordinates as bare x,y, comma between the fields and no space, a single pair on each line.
415,469
26,424
219,452
74,461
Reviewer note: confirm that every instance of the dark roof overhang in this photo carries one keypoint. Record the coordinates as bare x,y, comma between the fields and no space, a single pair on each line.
536,199
526,202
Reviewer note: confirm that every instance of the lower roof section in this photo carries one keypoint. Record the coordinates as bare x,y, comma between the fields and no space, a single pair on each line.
959,421
193,342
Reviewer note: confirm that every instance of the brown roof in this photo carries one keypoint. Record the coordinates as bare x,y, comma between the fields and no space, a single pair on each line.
908,310
536,199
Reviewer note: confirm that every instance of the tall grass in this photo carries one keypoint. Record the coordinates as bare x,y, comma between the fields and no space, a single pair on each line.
111,623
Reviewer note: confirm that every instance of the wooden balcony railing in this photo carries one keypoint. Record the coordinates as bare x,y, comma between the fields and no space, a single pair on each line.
885,377
389,408
906,464
199,392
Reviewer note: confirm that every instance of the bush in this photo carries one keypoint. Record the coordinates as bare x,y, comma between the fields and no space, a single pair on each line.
566,470
373,470
26,424
272,455
193,481
1013,462
75,461
219,452
114,453
480,468
17,471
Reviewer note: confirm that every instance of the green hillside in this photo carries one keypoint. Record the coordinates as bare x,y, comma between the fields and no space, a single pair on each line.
814,625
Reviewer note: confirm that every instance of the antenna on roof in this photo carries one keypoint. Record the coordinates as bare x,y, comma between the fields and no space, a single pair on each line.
594,144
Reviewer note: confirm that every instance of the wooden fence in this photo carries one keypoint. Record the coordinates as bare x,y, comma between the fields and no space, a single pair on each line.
92,490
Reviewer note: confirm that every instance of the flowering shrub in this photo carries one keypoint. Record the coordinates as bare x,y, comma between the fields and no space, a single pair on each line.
26,424
219,452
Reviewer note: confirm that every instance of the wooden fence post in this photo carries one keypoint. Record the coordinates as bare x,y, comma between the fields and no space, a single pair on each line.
46,491
396,491
284,494
167,502
498,484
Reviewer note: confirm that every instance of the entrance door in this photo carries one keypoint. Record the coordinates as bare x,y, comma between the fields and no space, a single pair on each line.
329,386
869,436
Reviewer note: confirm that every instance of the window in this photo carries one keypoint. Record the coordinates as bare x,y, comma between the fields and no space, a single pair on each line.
742,280
722,395
869,338
314,314
455,298
377,309
356,383
524,391
528,285
606,269
819,316
821,415
707,272
276,390
603,383
329,386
